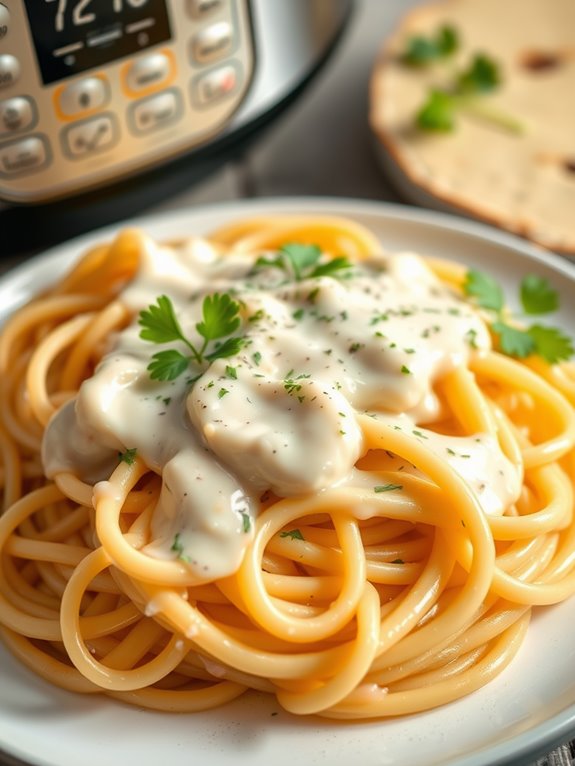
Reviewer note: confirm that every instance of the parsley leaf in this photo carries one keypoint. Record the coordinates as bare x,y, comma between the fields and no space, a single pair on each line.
160,325
220,316
159,322
300,257
552,344
485,289
437,113
482,75
513,341
421,50
129,456
167,365
332,268
300,261
537,296
229,347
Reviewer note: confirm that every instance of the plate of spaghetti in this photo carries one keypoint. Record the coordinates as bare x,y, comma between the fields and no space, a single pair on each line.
288,473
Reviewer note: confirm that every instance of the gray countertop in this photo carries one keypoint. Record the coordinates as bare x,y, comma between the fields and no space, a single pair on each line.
320,146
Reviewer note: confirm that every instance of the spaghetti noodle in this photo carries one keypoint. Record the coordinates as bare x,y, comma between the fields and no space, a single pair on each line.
159,547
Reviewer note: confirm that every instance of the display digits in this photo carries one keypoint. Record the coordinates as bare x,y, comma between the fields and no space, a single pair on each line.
81,14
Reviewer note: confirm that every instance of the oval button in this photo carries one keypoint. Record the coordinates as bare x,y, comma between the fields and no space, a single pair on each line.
199,9
9,70
212,43
25,156
16,114
148,72
155,112
4,21
83,96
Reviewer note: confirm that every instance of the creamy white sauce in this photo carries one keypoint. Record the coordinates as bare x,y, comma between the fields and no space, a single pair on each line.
316,352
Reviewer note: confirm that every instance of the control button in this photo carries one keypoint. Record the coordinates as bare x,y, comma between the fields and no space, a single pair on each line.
148,72
199,9
155,112
83,96
215,85
4,21
25,156
89,136
16,113
212,43
9,70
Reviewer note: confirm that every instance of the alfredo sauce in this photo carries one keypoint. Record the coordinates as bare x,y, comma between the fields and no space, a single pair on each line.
278,416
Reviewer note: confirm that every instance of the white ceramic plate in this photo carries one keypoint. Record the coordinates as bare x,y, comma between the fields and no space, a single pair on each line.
525,712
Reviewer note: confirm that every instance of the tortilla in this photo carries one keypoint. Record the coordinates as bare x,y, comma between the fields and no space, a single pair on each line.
523,182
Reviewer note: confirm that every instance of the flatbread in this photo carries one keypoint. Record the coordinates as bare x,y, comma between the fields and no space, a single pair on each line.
524,183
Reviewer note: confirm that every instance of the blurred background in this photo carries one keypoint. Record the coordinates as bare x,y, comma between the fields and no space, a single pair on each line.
311,137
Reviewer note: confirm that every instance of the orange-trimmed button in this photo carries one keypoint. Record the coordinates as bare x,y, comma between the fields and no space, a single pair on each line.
81,98
149,73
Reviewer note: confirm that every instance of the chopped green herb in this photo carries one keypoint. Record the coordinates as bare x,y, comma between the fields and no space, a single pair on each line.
178,547
294,534
246,522
128,456
471,338
421,50
299,314
259,314
481,76
437,112
231,372
292,386
222,392
256,358
405,370
387,487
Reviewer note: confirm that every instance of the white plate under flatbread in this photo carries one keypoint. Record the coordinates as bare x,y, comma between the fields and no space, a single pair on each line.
522,182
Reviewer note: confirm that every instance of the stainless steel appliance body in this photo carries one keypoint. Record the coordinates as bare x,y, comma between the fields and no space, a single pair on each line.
93,92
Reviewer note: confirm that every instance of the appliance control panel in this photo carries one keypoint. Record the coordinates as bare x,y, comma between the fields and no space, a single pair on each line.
95,90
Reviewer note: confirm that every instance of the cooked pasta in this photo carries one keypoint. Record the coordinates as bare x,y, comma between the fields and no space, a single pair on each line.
345,497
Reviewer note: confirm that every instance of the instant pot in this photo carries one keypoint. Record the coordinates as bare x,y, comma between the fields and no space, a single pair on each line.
107,106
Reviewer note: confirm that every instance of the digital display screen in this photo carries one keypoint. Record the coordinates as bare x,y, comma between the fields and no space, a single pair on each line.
71,36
